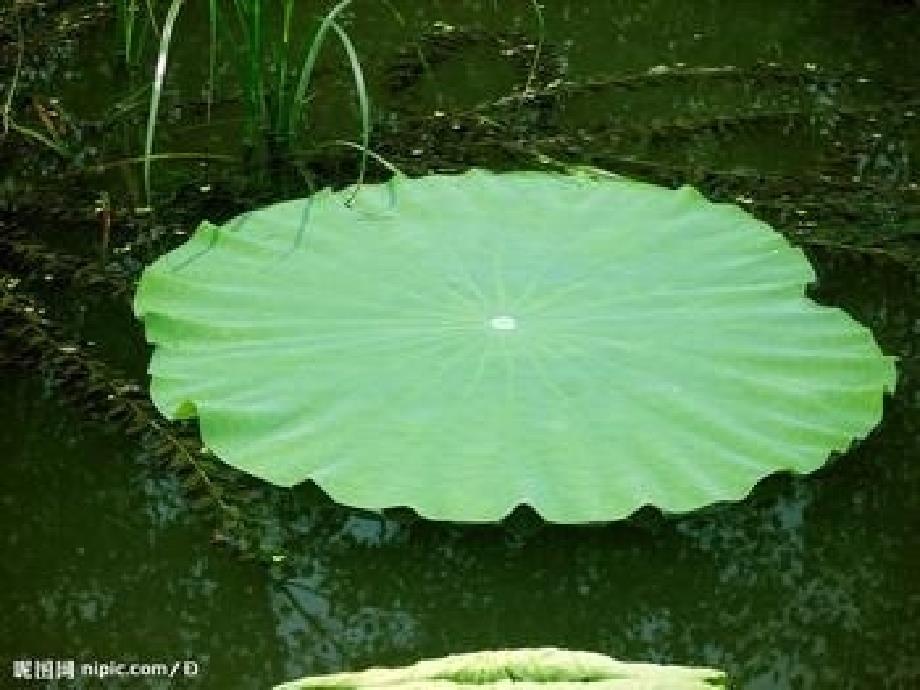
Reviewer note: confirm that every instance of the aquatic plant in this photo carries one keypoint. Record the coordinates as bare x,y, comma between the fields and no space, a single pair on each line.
33,337
7,121
584,344
136,26
276,112
525,667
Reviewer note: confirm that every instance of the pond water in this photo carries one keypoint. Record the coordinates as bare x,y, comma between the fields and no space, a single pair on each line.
803,111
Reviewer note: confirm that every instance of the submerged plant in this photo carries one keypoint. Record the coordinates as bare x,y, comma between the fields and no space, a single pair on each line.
584,344
553,668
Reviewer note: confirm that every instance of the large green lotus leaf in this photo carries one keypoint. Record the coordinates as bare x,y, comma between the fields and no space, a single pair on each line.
521,669
462,344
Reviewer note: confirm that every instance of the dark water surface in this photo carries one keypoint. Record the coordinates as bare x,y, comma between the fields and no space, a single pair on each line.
809,583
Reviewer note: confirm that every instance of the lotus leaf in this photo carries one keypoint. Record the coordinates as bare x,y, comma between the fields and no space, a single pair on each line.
463,344
547,669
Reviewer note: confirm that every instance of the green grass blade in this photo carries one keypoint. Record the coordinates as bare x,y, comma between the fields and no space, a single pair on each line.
363,101
183,155
280,125
57,147
157,92
127,13
249,19
306,73
152,17
255,63
367,152
14,82
541,36
124,106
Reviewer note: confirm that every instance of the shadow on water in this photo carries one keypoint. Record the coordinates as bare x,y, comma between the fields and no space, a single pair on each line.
809,583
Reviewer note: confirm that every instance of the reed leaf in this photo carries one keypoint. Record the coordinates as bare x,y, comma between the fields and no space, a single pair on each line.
363,101
306,72
157,91
541,37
